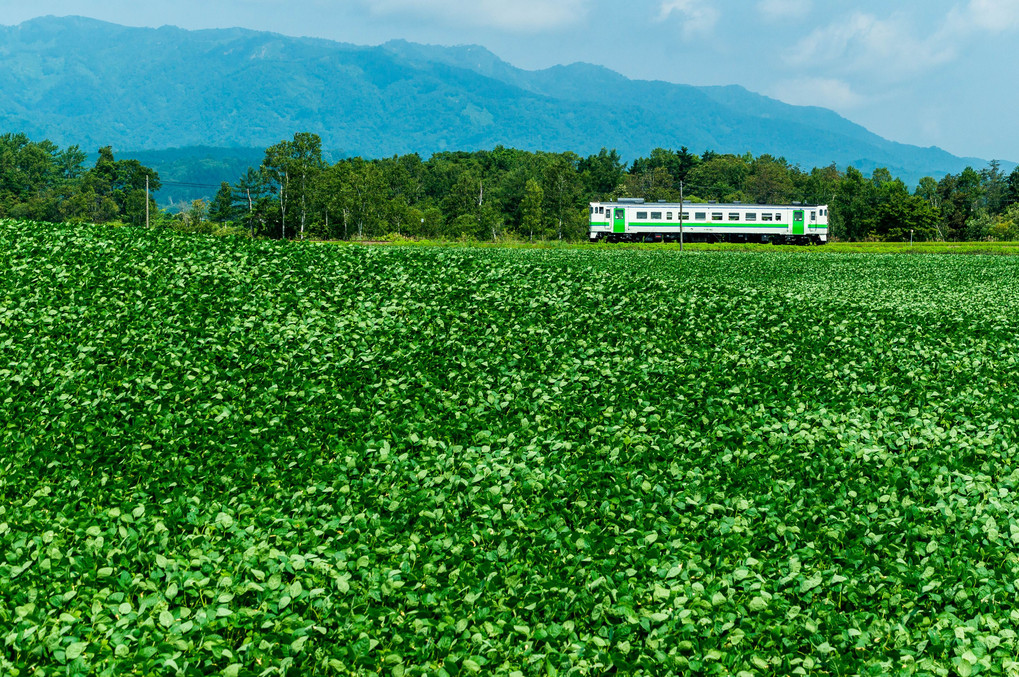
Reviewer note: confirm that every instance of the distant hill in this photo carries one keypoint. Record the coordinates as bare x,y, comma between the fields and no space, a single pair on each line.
80,81
194,172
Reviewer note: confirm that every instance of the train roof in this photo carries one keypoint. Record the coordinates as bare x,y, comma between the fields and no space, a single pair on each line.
638,202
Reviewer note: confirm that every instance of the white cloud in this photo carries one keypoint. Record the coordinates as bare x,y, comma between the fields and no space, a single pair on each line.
993,16
698,17
524,16
889,48
785,9
884,48
824,92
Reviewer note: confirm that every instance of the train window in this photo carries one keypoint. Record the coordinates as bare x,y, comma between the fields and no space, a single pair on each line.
668,216
716,216
620,213
734,216
641,215
656,215
592,210
686,215
751,216
701,216
766,216
778,216
813,216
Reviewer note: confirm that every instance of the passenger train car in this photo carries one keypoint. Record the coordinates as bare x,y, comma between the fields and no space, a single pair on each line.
634,220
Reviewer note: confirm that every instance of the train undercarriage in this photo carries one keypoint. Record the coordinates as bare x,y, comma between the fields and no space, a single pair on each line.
736,238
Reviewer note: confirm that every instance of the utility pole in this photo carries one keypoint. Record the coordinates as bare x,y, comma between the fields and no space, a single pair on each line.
681,216
146,200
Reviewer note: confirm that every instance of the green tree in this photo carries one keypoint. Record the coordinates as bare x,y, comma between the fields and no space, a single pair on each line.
532,222
1012,187
600,174
677,163
29,176
900,215
291,168
721,177
821,185
248,190
356,192
853,207
463,206
994,186
960,197
222,209
561,187
978,226
770,181
194,219
652,184
1006,225
71,163
116,189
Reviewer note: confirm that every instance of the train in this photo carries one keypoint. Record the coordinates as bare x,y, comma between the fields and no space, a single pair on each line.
635,220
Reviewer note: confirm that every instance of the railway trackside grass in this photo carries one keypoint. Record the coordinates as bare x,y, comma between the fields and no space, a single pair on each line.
989,248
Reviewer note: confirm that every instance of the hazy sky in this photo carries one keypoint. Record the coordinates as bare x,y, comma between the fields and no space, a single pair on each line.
930,72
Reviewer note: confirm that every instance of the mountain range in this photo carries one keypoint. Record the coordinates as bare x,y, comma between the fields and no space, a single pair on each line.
81,81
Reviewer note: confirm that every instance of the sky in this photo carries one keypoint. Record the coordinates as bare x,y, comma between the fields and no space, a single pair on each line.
925,72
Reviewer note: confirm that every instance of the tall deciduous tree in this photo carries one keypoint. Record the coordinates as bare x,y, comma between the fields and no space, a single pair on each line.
356,193
292,167
247,192
532,221
562,188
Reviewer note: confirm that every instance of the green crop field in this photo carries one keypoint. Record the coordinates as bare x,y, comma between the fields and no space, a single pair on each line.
257,458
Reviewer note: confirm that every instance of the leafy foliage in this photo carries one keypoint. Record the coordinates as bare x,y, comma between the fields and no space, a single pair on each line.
488,195
251,457
40,181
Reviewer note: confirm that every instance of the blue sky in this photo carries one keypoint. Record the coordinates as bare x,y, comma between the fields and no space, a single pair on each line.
932,72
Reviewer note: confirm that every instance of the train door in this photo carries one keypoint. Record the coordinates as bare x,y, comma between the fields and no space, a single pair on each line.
619,220
797,222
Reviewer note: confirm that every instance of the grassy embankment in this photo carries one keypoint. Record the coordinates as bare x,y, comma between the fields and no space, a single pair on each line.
992,248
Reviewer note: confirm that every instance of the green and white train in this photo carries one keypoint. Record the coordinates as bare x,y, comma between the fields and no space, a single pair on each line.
634,220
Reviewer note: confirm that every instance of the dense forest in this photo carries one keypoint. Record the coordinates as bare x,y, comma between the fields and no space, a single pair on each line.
492,194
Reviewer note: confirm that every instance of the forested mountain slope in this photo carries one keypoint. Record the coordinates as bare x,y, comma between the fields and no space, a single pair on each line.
81,81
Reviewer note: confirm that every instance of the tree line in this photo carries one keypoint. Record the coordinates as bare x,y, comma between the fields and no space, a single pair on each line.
495,194
41,182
